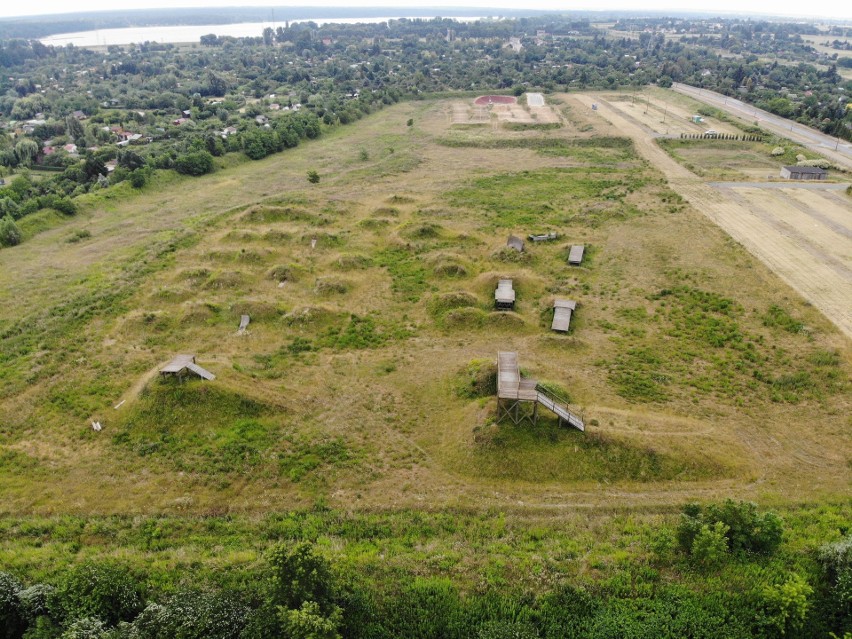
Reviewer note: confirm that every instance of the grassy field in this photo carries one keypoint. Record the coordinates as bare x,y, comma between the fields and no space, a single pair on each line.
736,160
362,383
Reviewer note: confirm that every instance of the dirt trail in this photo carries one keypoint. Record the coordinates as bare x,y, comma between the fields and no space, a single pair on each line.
784,241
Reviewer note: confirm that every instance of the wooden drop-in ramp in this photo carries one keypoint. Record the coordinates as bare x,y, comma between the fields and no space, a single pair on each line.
514,389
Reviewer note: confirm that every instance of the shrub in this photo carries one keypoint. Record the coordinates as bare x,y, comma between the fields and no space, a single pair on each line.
10,234
35,601
820,162
138,179
745,529
196,163
778,150
62,204
785,606
308,622
478,379
313,177
836,560
710,545
11,618
85,628
194,615
331,286
104,591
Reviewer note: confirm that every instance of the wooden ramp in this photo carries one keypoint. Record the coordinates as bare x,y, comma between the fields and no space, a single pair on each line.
504,296
542,238
244,322
557,407
562,310
515,243
513,390
203,373
575,255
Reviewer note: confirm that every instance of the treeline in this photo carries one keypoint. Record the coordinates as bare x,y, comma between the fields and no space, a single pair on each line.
742,586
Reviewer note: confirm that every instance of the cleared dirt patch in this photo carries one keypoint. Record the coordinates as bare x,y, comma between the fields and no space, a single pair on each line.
665,117
495,99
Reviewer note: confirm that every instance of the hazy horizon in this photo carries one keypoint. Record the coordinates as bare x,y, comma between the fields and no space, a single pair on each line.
828,10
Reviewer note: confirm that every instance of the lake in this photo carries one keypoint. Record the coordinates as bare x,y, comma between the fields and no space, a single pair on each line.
193,33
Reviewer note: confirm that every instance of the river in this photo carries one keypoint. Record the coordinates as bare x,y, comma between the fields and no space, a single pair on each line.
193,33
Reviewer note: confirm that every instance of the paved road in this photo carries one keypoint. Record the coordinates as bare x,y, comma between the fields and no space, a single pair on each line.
808,137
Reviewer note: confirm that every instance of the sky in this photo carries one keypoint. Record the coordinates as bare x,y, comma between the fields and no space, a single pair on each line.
837,9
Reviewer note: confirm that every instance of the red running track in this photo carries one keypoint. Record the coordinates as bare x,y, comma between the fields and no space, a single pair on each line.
495,99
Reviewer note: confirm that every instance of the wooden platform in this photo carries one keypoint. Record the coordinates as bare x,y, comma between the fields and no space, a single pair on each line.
182,364
509,382
504,295
562,310
179,363
575,255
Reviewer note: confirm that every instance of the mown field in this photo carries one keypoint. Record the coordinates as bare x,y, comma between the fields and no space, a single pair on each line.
363,390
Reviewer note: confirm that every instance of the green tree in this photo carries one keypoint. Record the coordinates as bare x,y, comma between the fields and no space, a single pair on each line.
313,177
74,129
26,151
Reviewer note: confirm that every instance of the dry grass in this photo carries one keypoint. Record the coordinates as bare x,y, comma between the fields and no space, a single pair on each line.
356,373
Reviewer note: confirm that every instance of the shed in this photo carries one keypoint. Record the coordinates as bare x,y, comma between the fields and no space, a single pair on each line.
575,254
542,238
803,173
182,364
515,243
562,310
504,296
